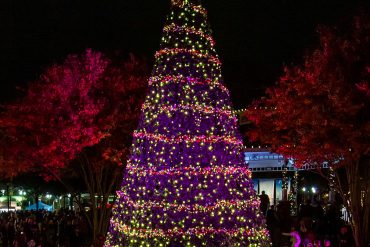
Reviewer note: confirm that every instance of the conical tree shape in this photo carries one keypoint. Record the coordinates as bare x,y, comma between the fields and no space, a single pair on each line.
186,182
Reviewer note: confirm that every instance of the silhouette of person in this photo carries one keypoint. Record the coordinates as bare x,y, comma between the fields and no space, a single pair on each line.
265,202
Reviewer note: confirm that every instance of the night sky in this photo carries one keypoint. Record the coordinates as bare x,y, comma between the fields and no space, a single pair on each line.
253,38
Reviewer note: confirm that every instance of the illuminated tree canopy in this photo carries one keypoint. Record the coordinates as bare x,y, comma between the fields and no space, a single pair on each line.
318,112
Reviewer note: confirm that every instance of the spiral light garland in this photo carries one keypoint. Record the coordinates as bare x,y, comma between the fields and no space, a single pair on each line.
186,183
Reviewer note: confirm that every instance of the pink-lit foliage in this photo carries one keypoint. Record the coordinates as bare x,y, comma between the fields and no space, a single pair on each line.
73,105
319,112
76,119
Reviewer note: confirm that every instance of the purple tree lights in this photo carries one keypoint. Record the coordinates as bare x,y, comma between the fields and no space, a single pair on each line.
186,182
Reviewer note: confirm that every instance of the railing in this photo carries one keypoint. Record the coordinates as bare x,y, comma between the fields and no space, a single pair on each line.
271,169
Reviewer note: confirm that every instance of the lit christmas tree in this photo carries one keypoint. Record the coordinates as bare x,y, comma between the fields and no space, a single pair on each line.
186,182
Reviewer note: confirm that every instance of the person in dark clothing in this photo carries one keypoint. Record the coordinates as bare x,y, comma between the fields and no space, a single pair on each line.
306,210
11,231
345,237
4,232
272,222
317,211
265,202
333,220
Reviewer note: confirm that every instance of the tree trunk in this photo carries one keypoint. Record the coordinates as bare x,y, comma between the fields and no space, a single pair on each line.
94,217
366,207
100,184
358,203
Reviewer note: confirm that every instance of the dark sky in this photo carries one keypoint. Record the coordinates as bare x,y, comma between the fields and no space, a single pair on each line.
254,38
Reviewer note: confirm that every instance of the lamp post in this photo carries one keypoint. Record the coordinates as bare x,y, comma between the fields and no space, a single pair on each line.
8,195
304,193
48,197
313,189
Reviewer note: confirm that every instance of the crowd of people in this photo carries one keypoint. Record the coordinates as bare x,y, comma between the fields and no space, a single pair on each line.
314,225
41,228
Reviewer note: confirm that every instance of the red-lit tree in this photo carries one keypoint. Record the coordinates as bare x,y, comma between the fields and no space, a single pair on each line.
319,112
78,115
